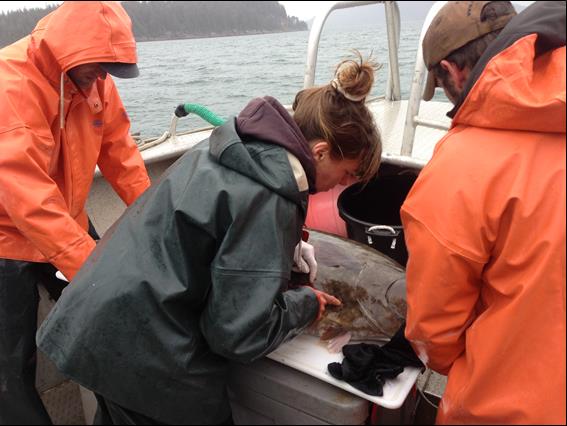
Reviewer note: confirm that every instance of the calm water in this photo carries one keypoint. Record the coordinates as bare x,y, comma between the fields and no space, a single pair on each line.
225,73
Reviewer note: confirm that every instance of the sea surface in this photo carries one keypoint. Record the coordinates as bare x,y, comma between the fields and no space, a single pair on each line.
225,73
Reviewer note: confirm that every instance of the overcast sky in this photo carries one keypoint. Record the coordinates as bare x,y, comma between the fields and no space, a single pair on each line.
15,5
304,9
301,9
308,9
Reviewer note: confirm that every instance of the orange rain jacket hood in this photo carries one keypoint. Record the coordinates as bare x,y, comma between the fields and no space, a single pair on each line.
485,229
53,135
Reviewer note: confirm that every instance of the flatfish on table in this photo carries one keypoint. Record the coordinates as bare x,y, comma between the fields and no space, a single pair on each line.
370,285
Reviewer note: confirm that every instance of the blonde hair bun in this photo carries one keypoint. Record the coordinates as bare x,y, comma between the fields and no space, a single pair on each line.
354,78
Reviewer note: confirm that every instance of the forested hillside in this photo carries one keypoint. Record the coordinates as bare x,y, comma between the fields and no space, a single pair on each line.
17,24
162,20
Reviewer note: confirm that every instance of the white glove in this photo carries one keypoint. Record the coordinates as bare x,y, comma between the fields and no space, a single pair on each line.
304,260
60,276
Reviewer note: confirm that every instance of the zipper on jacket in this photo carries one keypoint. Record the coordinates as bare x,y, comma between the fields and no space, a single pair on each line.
62,102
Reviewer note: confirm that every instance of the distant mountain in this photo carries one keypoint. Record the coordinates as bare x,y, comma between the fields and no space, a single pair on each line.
374,15
163,20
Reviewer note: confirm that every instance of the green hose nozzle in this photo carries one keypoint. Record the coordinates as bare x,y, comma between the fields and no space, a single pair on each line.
210,117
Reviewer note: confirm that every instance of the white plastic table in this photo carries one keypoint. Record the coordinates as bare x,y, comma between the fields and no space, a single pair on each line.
310,356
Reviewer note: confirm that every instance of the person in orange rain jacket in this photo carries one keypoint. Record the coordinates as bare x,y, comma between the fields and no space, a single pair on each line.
485,221
60,117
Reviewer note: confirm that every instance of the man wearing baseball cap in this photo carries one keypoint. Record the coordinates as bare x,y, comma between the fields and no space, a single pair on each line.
485,221
60,117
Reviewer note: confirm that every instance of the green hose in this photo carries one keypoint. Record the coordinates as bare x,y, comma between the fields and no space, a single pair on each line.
210,117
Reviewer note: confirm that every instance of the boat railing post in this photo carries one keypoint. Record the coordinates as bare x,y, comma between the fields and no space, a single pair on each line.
393,91
315,36
416,90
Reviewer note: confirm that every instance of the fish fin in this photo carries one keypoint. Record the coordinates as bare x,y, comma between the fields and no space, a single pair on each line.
336,344
312,330
330,332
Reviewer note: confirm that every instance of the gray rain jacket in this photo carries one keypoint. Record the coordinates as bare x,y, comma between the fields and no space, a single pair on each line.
194,274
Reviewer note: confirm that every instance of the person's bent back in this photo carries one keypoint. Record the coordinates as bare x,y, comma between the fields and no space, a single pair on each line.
485,221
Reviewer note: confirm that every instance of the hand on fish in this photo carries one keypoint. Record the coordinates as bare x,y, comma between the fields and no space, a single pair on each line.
334,344
324,299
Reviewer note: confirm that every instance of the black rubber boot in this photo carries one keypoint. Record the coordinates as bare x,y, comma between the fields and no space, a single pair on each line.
19,299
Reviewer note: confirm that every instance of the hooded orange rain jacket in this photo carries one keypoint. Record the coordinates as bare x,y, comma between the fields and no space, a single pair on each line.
52,135
485,229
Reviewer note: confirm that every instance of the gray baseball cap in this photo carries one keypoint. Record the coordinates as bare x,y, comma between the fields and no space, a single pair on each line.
120,69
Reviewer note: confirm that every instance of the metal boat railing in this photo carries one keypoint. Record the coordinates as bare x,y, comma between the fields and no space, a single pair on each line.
393,86
402,154
412,117
393,24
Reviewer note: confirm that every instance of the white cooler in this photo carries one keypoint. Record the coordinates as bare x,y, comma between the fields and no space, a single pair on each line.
292,386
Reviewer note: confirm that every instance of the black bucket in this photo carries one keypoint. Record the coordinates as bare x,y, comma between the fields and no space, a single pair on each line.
372,213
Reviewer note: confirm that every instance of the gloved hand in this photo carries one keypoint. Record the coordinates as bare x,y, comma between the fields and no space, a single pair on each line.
60,276
304,260
54,283
324,299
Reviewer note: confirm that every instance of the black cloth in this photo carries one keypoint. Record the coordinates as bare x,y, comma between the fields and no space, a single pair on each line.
367,366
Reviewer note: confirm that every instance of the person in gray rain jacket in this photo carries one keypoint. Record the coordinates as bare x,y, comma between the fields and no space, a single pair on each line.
196,272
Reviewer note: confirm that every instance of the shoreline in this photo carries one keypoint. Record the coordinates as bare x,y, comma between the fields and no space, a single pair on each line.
212,35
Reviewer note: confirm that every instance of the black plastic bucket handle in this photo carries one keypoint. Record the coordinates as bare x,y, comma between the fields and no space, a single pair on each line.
383,231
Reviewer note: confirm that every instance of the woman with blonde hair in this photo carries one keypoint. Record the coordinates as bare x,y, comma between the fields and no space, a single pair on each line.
195,273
